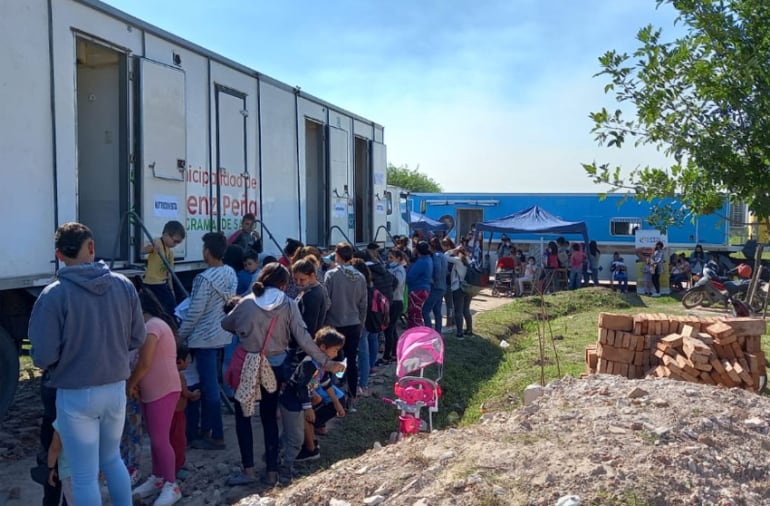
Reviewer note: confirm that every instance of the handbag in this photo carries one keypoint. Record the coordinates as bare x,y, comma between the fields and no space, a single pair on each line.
239,366
265,374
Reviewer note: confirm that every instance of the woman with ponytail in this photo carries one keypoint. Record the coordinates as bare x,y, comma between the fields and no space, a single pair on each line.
265,322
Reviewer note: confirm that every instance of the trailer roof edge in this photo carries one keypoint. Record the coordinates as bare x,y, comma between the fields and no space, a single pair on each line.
170,37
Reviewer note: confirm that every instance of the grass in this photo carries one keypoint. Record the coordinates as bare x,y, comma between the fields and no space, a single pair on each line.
27,369
546,338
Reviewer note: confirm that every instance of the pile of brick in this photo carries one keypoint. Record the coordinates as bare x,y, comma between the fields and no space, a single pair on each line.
715,351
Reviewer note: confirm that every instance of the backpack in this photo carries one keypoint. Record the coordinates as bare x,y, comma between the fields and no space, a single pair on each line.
471,283
378,317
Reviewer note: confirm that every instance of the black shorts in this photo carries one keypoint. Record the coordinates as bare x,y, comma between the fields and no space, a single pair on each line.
324,413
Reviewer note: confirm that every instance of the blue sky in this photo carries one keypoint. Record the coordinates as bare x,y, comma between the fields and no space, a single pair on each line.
486,96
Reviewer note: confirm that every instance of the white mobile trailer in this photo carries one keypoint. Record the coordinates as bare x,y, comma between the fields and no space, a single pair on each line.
105,114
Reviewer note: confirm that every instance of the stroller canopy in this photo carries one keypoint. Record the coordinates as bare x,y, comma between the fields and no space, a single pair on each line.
418,348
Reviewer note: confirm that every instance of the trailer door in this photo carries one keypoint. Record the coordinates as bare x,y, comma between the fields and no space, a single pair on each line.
339,194
380,206
232,179
163,129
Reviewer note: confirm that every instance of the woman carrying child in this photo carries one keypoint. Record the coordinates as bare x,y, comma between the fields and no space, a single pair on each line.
155,381
265,322
396,266
458,257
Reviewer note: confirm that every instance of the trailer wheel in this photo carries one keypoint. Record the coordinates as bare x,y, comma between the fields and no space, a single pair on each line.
9,371
692,299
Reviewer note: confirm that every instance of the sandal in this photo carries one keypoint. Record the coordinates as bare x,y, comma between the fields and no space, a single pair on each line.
240,479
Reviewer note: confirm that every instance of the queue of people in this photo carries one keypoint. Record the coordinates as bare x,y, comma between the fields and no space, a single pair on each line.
118,364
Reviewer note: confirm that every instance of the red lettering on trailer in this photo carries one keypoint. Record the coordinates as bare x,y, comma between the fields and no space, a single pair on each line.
201,204
223,178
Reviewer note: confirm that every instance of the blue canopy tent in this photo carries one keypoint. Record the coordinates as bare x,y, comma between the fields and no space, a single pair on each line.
534,220
421,222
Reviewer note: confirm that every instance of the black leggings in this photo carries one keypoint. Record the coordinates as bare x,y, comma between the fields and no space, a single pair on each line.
51,495
268,408
656,282
352,335
462,303
245,436
396,308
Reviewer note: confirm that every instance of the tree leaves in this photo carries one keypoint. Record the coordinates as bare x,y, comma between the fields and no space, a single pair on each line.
703,100
411,179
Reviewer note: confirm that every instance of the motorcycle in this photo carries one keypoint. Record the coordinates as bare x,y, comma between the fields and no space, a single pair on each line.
712,289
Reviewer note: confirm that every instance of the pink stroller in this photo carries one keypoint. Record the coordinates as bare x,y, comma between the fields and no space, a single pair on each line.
418,349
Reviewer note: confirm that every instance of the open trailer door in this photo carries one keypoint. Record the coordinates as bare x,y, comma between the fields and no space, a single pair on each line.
163,147
340,212
379,187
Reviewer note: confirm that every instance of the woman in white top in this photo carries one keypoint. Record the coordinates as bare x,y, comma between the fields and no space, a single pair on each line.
396,261
458,258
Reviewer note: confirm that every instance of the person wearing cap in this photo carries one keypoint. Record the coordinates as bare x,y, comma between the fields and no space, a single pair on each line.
347,289
419,278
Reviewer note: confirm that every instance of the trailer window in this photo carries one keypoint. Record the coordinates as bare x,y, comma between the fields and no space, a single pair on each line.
624,226
388,203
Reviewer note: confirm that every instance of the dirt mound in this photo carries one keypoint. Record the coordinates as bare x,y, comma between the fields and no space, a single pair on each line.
605,439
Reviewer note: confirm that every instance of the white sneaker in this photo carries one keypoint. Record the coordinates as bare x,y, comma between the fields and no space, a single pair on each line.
169,495
151,486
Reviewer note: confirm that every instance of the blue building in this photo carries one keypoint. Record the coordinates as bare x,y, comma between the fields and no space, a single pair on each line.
611,221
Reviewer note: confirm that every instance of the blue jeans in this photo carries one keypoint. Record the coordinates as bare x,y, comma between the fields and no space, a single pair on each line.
622,280
368,348
432,306
90,425
193,415
211,407
574,279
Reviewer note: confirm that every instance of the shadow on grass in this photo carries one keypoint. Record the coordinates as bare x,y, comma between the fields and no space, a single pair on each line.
477,371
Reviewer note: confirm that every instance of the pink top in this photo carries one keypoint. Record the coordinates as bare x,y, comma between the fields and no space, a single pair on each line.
576,260
163,377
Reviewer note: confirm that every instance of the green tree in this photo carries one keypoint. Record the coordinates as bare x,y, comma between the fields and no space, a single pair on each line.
411,179
704,101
